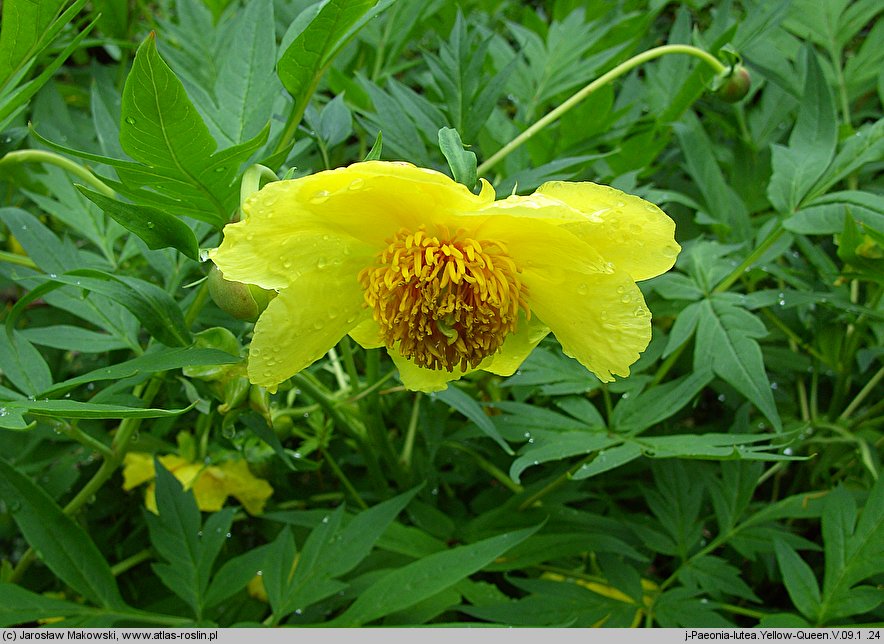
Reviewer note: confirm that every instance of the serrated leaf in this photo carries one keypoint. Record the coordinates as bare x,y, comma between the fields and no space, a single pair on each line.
63,545
726,341
157,228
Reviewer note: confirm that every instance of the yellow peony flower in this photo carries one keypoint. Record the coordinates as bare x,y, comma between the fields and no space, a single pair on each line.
211,484
447,281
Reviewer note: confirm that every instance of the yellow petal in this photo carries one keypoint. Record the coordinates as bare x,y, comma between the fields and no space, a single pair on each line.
209,490
599,319
137,469
417,378
517,347
633,234
291,226
250,490
367,334
306,320
150,498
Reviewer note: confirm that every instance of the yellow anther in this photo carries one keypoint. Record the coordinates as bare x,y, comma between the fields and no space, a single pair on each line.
444,304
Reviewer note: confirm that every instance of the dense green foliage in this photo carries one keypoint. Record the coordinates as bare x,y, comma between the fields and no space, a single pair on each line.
733,479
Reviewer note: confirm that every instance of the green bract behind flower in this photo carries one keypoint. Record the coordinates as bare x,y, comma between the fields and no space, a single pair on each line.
447,281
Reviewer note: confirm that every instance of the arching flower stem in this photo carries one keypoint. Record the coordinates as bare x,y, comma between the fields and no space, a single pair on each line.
43,156
601,81
252,180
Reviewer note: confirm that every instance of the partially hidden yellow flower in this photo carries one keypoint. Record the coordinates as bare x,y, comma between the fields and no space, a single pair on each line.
448,281
211,484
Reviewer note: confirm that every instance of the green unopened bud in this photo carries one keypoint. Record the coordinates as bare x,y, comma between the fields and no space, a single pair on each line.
235,392
259,401
242,301
733,84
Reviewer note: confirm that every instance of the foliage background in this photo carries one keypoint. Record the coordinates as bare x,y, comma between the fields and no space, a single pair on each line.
732,479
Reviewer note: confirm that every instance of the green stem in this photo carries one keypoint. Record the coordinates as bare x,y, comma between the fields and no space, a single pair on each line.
753,257
863,393
199,300
343,479
340,376
349,364
42,156
329,405
498,474
251,180
668,363
130,562
408,447
601,81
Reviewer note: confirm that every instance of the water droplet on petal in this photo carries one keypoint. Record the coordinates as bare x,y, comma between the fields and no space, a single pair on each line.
356,184
320,196
582,288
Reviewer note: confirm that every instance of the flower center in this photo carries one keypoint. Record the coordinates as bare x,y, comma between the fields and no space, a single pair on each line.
446,303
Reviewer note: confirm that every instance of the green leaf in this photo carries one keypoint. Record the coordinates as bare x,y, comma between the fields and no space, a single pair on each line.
852,554
23,364
157,360
376,148
161,129
457,399
461,161
826,215
62,544
414,582
235,574
726,341
76,409
24,35
716,577
189,549
311,581
811,145
640,411
362,532
311,51
608,459
72,338
246,86
157,228
28,30
723,204
19,606
154,308
799,580
555,446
